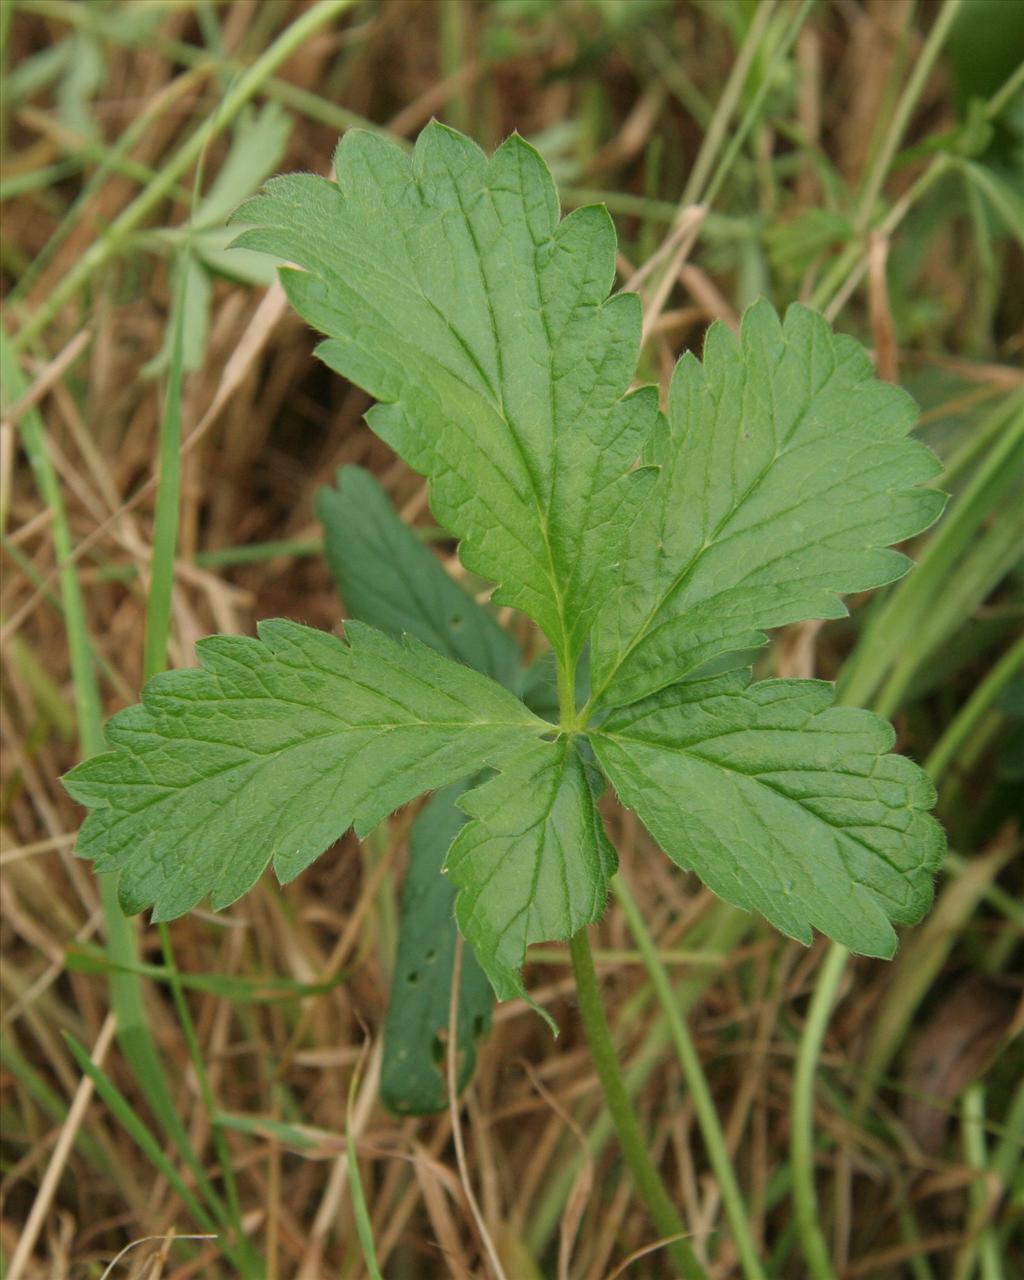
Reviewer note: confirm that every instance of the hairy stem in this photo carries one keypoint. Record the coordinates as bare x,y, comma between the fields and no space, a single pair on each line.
634,1145
567,714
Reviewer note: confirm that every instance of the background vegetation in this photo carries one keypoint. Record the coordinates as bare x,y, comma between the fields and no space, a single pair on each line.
212,1080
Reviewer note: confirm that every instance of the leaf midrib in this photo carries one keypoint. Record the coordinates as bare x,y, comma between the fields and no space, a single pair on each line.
760,780
541,510
709,541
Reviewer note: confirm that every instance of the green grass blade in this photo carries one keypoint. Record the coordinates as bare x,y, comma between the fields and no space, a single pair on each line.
364,1228
921,70
984,696
126,996
85,959
697,1083
157,635
48,1100
977,574
769,78
130,1122
906,610
127,1002
248,85
805,1199
168,497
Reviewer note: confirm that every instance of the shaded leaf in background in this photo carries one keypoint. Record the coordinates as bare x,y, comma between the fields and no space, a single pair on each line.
258,142
390,579
985,48
412,1078
74,67
271,750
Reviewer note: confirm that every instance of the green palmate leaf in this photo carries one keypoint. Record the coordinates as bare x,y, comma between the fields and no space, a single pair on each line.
782,803
271,750
452,293
785,473
388,578
450,290
534,862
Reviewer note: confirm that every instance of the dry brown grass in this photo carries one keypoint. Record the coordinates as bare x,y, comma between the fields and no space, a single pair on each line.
266,426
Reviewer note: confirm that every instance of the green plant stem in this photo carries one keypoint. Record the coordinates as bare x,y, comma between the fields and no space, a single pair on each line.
1009,1150
249,84
6,14
1005,95
722,931
567,713
801,1136
454,23
1007,904
696,1081
634,1146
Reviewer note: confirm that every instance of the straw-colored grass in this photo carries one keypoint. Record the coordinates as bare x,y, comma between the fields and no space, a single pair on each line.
214,1088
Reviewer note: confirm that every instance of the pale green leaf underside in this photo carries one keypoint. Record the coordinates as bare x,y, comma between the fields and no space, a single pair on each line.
782,803
785,474
533,863
271,750
451,292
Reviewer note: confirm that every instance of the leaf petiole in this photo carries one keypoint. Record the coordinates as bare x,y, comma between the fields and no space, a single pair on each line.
634,1146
